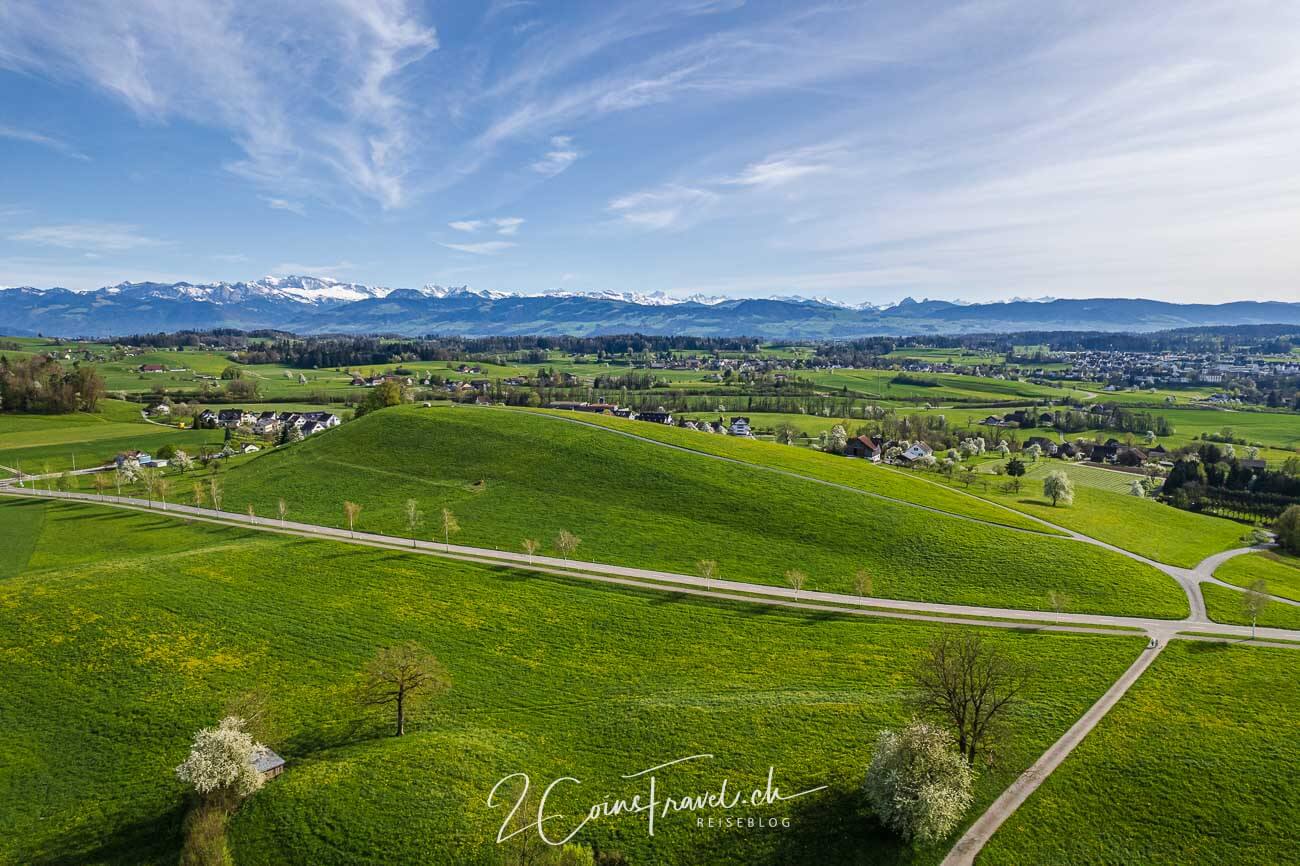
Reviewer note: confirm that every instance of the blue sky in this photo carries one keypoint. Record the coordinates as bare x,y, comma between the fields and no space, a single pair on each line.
861,151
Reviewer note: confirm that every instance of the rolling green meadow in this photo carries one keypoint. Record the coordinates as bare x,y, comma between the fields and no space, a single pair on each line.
1225,605
1147,528
1134,523
33,442
1280,571
507,476
1196,764
123,632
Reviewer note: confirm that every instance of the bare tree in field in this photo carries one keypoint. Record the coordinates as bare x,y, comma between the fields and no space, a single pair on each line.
566,542
101,482
149,478
449,527
796,579
252,514
350,511
119,477
1254,602
281,509
214,491
414,518
862,583
708,570
164,486
1058,600
969,684
396,674
531,546
199,496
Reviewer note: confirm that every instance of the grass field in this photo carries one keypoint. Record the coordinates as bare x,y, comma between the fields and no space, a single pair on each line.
1279,570
1224,605
1196,765
1136,524
121,633
34,442
815,464
513,475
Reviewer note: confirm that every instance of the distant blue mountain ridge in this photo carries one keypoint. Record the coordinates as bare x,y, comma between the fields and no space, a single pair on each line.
310,305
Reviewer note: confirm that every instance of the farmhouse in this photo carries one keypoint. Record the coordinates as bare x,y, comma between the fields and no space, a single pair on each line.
152,368
868,447
656,417
207,419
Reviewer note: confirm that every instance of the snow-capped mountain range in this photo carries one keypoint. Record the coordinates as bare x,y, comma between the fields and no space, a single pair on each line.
316,305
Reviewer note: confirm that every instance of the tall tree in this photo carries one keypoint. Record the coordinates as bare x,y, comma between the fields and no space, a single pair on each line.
397,674
970,684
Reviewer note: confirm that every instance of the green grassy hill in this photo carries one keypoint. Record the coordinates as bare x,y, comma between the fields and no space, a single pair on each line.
1196,764
1280,571
1143,526
121,633
508,476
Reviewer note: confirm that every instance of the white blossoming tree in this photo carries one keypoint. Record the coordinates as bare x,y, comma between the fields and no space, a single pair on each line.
220,764
1058,488
918,783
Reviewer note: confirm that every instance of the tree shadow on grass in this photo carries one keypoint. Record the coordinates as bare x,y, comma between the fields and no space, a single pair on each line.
151,840
1217,646
829,827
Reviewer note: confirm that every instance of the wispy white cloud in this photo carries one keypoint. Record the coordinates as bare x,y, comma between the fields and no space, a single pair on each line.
503,225
309,95
485,248
95,237
775,172
32,137
558,158
284,204
669,207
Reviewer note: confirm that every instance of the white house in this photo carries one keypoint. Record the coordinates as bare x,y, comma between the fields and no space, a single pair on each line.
739,427
916,452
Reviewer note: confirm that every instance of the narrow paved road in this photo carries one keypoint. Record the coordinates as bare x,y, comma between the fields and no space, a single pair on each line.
974,839
1164,629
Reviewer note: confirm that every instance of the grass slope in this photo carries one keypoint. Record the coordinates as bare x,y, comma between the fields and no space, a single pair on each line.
508,476
1280,571
1225,605
1145,527
1196,764
128,631
814,464
33,442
